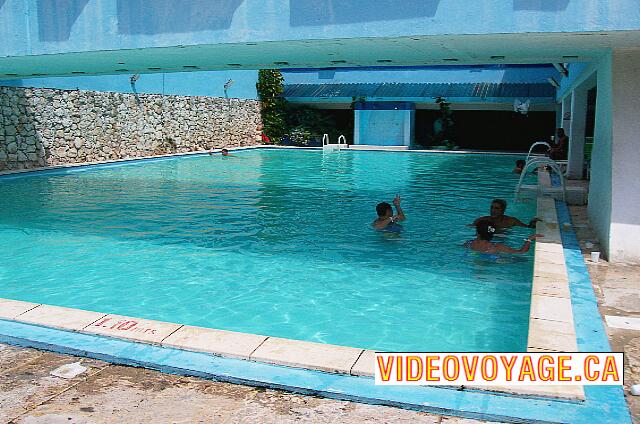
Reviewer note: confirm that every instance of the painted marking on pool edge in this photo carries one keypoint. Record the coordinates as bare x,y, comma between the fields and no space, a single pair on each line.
124,325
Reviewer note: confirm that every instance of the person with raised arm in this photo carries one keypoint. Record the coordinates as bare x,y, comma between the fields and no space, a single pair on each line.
386,220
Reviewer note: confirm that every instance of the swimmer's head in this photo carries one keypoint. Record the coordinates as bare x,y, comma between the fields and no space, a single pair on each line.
224,152
384,210
520,163
485,229
498,207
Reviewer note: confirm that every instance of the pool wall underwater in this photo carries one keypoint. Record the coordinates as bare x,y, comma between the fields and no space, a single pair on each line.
227,243
344,370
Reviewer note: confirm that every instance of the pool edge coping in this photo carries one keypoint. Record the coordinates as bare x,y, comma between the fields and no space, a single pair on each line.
364,148
551,323
473,403
66,166
468,402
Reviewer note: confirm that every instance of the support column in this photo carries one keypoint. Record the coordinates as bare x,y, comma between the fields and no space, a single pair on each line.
566,116
575,166
409,126
356,126
599,206
558,115
614,193
625,156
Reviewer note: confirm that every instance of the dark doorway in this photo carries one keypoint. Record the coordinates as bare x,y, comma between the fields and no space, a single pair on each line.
338,122
490,130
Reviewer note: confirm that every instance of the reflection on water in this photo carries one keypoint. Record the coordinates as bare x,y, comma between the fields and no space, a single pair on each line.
277,243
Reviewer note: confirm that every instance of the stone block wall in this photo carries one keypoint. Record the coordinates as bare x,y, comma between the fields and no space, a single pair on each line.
46,127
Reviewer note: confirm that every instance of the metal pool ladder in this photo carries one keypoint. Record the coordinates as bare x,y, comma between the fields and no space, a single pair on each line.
545,188
336,147
561,163
533,146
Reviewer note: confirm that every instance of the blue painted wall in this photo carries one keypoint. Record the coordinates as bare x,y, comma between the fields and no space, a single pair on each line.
182,83
34,27
433,74
577,73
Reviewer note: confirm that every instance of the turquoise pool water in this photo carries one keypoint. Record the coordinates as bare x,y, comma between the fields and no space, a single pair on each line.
275,242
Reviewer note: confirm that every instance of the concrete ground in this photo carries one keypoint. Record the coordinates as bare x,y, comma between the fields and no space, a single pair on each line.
617,288
114,394
108,393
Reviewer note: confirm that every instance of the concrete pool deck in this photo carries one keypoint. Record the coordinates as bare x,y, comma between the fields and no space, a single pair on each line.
108,393
551,329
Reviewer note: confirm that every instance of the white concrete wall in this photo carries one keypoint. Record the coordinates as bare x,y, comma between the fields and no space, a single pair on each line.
599,208
577,130
624,235
383,127
614,192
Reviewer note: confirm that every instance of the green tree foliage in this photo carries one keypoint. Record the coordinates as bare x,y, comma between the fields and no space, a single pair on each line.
298,125
270,87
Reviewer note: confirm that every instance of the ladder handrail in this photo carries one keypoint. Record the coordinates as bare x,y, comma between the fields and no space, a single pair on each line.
537,143
537,161
326,144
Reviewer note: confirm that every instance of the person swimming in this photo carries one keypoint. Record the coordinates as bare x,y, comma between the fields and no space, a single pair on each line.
499,220
223,152
483,244
386,220
520,163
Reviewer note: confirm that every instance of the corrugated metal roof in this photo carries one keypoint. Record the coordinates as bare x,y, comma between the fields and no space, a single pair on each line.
427,90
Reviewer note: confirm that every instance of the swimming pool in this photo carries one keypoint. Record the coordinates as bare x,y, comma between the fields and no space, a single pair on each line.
275,242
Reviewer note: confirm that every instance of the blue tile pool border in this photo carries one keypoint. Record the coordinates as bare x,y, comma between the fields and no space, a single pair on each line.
589,326
601,405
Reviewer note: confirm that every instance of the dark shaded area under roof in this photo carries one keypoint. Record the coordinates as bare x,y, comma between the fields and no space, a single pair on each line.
424,90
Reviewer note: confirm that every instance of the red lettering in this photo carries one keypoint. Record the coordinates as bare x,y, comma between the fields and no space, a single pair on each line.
127,325
102,322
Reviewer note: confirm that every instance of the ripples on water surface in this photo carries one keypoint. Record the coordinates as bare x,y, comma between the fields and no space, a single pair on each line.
276,242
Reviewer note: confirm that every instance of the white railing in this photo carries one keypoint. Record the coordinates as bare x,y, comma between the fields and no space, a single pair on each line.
534,145
328,146
561,163
539,161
